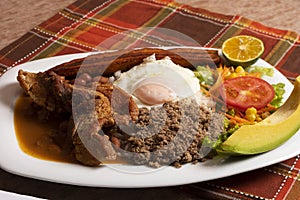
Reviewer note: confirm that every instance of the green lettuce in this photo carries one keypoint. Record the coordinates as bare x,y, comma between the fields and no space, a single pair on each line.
205,75
214,144
262,70
279,91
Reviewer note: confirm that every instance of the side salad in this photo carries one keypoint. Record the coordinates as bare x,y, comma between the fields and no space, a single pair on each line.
241,94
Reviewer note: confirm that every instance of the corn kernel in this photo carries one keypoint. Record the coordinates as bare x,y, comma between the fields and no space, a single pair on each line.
251,117
232,75
227,74
251,111
239,69
251,114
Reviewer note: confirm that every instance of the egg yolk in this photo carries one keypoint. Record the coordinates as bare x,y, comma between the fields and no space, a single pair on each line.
154,93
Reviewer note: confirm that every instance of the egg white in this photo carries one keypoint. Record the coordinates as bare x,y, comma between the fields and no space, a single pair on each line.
180,80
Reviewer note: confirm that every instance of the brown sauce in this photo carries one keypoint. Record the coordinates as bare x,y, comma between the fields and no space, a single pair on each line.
39,139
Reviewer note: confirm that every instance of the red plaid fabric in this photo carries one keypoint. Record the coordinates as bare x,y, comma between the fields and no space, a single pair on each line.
96,25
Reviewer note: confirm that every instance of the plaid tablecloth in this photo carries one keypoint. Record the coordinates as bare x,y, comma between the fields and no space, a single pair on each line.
86,26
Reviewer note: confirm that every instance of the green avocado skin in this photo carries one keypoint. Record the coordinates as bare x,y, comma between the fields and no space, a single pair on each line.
269,133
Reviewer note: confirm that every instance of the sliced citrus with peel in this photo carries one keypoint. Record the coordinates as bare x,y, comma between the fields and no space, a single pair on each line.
243,50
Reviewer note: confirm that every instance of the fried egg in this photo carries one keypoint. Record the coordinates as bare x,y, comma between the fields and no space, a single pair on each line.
154,82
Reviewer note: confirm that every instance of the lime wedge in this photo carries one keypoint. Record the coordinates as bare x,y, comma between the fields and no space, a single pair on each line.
242,50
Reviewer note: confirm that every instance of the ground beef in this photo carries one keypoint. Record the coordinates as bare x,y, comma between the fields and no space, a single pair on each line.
169,135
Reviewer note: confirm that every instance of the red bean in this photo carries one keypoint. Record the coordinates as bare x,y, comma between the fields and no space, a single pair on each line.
100,79
80,81
103,79
86,77
115,141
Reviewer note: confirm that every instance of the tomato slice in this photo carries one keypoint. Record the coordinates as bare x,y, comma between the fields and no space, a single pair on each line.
247,91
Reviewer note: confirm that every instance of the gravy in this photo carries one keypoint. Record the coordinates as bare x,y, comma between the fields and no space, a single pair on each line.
39,139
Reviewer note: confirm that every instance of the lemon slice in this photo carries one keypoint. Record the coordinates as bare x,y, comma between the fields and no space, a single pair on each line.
242,50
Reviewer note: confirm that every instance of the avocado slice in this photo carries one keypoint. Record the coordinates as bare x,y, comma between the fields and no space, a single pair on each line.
269,133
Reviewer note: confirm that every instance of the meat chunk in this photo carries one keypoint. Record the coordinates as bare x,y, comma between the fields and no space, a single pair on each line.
90,109
47,90
91,146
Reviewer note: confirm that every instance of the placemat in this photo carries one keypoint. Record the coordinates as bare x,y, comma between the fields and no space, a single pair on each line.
86,26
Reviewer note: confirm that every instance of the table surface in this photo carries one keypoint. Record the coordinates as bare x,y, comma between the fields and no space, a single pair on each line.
18,17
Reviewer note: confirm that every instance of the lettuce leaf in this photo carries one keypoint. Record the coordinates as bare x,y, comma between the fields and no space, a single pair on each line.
262,70
279,91
205,75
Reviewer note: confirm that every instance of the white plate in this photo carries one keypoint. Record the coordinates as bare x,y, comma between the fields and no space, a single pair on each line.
13,159
14,196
